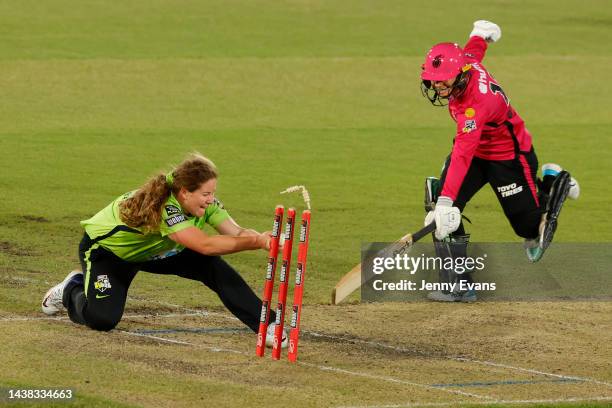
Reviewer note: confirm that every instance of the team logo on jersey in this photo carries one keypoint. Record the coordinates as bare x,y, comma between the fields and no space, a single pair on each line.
102,283
469,125
172,209
470,112
176,219
437,61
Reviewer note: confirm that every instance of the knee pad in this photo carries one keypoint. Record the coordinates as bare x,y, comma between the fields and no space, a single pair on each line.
455,246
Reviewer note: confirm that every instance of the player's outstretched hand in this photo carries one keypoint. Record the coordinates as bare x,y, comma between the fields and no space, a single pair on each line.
263,240
446,216
487,30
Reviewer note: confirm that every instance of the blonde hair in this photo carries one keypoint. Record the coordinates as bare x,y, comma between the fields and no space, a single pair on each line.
143,208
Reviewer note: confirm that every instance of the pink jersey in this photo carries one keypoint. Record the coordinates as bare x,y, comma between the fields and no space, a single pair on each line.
487,125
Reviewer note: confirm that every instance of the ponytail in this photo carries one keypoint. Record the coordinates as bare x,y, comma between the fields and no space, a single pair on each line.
143,209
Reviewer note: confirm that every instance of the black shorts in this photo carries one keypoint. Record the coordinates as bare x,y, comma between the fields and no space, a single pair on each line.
514,184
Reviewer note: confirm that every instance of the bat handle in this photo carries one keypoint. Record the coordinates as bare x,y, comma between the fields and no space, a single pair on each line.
428,229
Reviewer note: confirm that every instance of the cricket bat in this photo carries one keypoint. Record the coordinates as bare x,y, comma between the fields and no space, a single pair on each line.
352,280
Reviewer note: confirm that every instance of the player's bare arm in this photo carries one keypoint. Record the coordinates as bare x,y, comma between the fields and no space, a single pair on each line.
197,240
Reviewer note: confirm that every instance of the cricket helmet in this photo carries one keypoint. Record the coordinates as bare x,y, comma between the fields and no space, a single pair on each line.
443,62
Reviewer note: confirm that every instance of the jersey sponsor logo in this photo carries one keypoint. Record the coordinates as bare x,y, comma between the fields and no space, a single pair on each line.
509,190
99,296
469,126
172,210
176,219
482,79
470,112
102,283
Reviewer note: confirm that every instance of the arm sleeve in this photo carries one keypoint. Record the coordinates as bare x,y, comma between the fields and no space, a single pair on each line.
216,214
475,49
469,130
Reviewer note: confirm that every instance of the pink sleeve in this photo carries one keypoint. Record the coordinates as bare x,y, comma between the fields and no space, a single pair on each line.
469,130
475,49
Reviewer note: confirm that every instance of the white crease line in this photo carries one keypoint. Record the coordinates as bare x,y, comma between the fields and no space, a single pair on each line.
496,402
206,312
373,343
320,367
528,370
394,380
210,348
126,316
462,359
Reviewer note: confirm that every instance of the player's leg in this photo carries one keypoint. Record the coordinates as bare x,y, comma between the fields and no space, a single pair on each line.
99,301
219,276
514,182
533,214
455,246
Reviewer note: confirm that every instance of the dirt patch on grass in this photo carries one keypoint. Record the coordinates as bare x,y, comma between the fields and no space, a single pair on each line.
14,282
34,218
14,249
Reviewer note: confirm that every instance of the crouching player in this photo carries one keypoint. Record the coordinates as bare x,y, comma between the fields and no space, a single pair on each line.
491,145
159,229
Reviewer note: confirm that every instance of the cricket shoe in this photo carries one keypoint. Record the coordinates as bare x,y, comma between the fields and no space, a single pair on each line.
465,297
270,336
533,250
52,301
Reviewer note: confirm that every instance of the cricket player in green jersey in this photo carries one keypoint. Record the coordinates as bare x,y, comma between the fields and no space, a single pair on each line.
159,229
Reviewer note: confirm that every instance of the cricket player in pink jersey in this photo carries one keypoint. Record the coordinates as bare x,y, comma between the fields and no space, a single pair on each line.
491,145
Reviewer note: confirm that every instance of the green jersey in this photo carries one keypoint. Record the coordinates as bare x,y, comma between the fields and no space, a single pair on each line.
132,245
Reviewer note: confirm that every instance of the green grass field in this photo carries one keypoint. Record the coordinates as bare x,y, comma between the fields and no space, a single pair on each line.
97,96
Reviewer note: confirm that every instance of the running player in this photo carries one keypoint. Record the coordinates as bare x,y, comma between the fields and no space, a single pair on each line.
491,145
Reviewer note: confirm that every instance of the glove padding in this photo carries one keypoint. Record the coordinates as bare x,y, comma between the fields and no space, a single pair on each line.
446,216
487,30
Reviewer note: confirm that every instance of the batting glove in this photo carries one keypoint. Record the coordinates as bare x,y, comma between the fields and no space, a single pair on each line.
446,216
487,30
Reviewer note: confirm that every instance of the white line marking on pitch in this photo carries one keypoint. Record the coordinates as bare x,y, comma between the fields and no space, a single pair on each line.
462,359
528,370
394,380
373,343
125,316
496,402
319,367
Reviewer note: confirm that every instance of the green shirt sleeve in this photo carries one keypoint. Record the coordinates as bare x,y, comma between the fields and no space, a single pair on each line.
173,218
216,214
